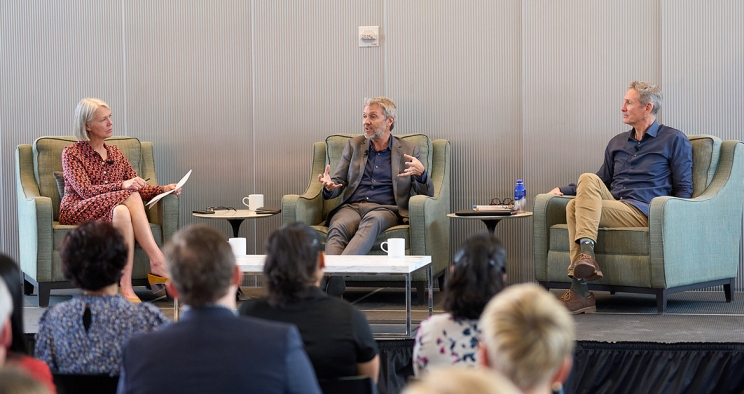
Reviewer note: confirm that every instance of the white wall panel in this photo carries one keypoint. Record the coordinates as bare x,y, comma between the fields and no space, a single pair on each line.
189,91
52,54
239,90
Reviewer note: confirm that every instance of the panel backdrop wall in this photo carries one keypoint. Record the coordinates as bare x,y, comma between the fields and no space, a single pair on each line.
238,90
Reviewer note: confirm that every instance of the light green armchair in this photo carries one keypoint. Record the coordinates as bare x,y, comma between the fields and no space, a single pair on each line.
689,243
429,228
40,233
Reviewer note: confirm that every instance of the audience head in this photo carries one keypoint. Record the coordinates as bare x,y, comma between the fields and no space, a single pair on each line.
649,93
201,265
16,381
6,333
458,380
93,255
387,105
293,263
84,112
528,336
478,274
11,275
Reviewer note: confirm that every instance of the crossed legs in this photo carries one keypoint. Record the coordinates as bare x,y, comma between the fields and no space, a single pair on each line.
131,221
595,207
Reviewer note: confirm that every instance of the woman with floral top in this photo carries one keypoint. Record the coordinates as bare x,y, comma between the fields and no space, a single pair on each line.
451,338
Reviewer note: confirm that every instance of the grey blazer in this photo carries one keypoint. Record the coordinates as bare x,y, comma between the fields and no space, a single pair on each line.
351,165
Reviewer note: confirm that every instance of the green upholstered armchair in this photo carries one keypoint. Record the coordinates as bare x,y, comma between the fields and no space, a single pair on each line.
429,228
689,243
40,233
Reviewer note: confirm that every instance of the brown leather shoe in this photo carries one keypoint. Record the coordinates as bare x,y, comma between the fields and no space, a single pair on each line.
577,304
586,268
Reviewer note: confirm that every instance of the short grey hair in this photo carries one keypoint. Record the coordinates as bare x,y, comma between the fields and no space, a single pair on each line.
6,304
84,112
649,93
387,105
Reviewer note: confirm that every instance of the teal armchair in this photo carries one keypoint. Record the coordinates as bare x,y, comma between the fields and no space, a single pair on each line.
428,232
40,233
689,243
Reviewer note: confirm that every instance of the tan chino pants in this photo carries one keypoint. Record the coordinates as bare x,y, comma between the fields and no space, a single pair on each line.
595,207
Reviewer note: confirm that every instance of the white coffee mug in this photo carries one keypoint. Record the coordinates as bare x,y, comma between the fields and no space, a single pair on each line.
238,246
396,247
254,201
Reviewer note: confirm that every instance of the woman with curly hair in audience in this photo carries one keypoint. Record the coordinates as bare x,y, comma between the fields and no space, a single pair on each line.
85,335
451,338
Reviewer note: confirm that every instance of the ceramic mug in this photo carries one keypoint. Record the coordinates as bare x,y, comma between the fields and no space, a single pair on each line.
394,247
254,201
238,246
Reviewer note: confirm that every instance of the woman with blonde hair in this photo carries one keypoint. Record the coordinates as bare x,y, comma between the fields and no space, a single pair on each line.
101,184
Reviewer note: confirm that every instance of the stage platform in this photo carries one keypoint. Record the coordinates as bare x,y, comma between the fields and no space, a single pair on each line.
697,346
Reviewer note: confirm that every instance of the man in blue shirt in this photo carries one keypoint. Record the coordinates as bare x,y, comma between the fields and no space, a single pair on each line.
648,161
377,173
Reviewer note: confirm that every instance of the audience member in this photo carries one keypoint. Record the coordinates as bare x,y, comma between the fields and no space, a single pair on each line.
528,336
17,354
210,349
85,335
336,335
100,184
478,273
462,381
16,381
648,161
377,174
6,333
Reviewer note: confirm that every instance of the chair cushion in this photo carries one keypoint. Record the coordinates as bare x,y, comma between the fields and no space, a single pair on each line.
59,177
621,240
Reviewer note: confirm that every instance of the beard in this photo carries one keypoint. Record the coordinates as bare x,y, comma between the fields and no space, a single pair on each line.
377,133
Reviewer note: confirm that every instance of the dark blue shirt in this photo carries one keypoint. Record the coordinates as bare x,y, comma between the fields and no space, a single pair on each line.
660,164
377,181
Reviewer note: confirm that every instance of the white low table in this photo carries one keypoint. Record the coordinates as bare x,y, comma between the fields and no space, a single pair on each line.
364,265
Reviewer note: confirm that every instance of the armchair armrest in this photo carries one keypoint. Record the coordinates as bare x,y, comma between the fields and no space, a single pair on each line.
166,214
308,207
697,240
549,210
34,219
429,224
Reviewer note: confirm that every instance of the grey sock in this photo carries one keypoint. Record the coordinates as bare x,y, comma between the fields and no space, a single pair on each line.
580,287
587,246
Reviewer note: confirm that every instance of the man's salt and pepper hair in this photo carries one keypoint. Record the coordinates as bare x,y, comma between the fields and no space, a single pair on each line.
649,93
387,105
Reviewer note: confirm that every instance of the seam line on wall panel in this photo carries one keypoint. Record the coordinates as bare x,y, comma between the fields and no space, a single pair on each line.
384,49
124,63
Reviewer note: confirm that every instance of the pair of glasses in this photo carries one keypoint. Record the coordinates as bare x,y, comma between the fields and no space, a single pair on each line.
503,201
220,208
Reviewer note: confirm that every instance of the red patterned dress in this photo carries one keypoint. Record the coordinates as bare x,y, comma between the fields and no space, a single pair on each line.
93,185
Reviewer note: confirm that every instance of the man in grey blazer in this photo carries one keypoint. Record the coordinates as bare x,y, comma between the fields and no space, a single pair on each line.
211,350
377,174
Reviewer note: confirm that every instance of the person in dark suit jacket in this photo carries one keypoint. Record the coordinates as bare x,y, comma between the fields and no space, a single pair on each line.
376,174
211,350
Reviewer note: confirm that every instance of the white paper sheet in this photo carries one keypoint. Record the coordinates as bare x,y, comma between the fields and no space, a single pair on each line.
161,195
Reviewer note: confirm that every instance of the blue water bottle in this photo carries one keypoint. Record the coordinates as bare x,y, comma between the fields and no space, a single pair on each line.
520,196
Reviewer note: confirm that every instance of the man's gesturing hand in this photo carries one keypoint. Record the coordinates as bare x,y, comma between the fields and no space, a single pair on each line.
326,180
415,167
